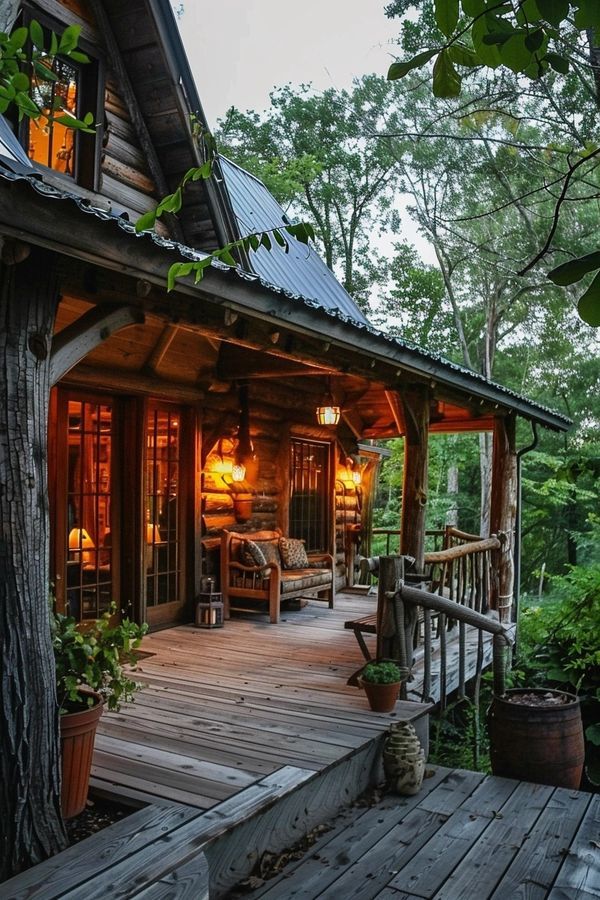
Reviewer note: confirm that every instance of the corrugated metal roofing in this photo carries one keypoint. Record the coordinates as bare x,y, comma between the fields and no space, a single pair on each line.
356,329
301,270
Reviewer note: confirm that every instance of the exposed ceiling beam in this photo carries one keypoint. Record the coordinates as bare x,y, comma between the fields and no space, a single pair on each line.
86,333
160,349
396,410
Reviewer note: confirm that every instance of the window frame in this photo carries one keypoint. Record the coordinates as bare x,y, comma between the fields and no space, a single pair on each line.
91,88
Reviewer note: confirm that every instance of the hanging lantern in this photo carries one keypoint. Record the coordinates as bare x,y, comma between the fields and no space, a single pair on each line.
238,472
328,413
356,476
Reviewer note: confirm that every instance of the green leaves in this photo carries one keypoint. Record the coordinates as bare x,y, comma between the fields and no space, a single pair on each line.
575,269
553,11
446,80
446,15
400,69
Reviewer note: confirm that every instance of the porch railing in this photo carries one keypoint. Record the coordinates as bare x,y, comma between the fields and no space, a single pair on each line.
462,571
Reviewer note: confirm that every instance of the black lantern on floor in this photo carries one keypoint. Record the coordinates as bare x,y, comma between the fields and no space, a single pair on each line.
209,608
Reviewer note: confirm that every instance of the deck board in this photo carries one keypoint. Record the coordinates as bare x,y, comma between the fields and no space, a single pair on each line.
464,837
221,709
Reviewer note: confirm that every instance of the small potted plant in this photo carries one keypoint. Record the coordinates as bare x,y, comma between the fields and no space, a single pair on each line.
381,682
90,673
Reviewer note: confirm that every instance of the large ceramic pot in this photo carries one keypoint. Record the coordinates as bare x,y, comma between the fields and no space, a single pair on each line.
77,734
537,735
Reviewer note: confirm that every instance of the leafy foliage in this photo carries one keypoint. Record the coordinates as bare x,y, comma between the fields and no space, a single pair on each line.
560,648
93,655
544,40
26,68
381,673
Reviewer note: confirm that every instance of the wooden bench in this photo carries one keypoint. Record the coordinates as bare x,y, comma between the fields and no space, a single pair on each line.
364,625
271,583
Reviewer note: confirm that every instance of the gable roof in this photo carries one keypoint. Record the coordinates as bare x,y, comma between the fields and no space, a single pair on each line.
300,271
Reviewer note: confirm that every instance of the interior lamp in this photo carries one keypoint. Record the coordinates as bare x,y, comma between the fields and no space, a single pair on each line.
79,539
356,476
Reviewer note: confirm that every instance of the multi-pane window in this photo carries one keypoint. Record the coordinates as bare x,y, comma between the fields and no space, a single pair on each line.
309,501
162,527
53,144
89,545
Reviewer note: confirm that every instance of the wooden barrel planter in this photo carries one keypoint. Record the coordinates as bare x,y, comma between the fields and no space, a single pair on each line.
543,744
77,735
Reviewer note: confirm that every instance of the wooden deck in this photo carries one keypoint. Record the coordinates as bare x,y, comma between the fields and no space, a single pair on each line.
221,709
464,837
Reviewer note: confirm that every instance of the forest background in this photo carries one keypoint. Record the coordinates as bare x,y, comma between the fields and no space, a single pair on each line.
481,177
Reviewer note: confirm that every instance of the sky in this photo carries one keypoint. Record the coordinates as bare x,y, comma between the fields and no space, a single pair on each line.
239,50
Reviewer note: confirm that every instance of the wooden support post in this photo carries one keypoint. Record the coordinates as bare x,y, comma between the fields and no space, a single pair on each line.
415,403
503,513
391,639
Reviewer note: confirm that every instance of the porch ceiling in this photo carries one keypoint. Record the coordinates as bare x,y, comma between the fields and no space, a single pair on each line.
184,355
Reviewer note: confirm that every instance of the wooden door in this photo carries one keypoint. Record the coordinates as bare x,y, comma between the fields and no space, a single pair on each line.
84,487
166,506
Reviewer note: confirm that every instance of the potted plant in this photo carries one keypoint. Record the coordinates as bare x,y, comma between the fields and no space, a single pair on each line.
381,682
90,673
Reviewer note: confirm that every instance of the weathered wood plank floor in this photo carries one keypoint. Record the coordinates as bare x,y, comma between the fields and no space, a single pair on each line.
223,708
466,836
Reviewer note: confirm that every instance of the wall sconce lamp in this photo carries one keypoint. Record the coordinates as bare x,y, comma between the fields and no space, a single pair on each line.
238,472
328,413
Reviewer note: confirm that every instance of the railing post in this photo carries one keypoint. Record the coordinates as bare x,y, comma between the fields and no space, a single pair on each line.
503,513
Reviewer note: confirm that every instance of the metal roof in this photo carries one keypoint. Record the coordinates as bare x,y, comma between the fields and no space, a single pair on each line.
360,333
301,269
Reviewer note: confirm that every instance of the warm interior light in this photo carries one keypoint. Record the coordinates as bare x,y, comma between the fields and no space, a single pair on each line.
328,415
356,476
152,534
79,539
238,472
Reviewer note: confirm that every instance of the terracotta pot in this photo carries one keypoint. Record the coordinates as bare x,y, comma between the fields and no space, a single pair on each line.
543,744
381,697
77,734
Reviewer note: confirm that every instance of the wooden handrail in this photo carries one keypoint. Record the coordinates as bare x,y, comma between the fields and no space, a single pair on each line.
460,550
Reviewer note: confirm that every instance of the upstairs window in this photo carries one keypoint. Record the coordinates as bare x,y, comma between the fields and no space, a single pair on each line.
53,144
72,89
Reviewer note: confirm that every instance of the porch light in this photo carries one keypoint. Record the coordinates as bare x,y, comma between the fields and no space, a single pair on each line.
238,472
356,476
328,413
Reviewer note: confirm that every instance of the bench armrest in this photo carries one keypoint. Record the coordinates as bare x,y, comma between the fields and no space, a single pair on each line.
321,557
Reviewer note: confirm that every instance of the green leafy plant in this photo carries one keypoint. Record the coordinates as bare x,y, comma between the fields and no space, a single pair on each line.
27,58
94,656
560,648
382,673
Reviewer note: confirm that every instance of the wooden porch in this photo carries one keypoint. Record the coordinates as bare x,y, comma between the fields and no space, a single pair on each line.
224,708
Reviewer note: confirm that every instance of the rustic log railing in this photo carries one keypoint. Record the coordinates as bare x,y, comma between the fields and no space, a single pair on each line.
462,571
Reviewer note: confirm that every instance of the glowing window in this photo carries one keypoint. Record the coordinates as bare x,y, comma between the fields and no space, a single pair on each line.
53,144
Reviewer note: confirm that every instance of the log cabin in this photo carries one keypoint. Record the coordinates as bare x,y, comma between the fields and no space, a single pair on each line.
250,401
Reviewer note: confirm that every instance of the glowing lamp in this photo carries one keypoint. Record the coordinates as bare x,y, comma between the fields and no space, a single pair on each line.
238,472
356,476
328,414
80,540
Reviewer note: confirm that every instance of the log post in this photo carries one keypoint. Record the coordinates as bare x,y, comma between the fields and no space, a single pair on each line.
415,402
391,638
31,826
503,513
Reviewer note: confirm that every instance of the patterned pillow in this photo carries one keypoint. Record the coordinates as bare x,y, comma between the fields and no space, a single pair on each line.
251,554
293,554
270,551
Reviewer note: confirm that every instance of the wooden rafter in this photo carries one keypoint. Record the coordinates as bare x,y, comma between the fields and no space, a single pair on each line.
160,349
396,410
75,341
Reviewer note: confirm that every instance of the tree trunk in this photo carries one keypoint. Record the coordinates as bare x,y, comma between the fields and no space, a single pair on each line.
503,514
415,402
452,514
485,471
31,824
